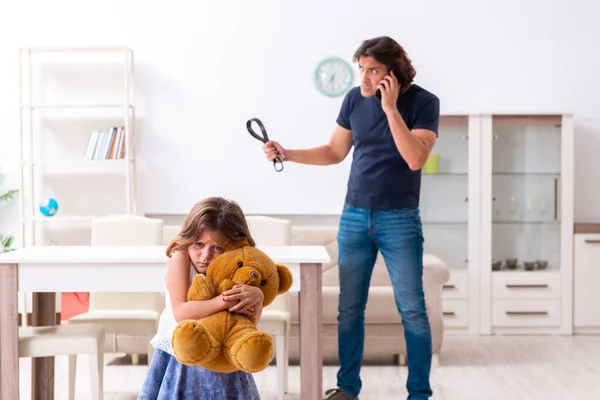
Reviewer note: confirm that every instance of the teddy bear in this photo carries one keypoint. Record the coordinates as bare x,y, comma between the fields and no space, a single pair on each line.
230,341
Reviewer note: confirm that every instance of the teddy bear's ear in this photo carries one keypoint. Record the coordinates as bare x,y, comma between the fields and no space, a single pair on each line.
237,244
285,278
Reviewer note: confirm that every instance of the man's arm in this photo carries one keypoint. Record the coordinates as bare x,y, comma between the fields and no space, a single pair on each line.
414,146
333,152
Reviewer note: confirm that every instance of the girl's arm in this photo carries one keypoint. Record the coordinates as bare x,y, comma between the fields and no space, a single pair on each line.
178,282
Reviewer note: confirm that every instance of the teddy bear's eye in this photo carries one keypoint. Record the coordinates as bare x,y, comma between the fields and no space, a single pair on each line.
263,282
240,264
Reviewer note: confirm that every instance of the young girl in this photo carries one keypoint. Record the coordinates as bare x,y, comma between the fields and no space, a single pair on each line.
212,224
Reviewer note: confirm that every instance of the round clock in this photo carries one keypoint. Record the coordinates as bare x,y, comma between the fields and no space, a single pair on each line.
333,76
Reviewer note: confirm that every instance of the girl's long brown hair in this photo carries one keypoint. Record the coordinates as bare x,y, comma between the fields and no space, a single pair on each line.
387,51
214,213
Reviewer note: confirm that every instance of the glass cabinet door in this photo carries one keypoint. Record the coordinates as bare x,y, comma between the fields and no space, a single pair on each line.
526,193
445,193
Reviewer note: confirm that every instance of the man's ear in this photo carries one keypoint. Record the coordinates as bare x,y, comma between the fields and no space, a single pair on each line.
285,278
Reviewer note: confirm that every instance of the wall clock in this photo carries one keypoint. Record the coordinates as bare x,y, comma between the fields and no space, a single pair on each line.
333,76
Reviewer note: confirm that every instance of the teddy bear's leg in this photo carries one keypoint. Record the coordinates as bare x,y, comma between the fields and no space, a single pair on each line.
193,344
251,351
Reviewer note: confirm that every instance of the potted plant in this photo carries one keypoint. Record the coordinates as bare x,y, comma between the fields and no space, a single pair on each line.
6,241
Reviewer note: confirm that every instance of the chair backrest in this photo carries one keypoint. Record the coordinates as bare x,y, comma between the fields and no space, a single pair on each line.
269,231
126,230
169,233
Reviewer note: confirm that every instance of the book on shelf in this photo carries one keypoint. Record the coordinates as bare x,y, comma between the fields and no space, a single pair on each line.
106,144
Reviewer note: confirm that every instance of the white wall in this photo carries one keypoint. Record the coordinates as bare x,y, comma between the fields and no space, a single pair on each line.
203,68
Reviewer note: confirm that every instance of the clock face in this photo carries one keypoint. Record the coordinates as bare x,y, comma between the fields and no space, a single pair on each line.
333,77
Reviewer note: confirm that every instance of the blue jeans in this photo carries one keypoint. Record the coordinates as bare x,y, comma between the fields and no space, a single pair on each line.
398,235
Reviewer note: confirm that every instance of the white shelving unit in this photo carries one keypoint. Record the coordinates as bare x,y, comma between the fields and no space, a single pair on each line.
503,193
66,93
450,212
527,224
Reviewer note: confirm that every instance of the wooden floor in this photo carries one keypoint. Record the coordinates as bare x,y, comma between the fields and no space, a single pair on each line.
488,368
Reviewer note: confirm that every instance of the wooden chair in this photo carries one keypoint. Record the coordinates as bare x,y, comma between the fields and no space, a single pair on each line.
71,340
131,319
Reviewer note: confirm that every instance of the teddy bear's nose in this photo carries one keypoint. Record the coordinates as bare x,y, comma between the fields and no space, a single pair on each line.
254,275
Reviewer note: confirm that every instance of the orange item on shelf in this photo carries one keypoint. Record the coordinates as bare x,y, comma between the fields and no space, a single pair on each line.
74,303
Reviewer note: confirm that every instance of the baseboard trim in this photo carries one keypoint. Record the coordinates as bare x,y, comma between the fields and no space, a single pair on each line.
587,330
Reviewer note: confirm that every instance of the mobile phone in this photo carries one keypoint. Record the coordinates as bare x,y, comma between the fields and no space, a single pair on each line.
378,92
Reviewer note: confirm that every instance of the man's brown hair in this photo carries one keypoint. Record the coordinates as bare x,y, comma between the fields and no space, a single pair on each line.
387,51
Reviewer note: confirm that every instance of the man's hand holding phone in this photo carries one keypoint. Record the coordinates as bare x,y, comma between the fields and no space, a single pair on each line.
390,88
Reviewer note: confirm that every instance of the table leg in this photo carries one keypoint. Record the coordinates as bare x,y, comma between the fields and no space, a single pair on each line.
311,331
9,333
42,369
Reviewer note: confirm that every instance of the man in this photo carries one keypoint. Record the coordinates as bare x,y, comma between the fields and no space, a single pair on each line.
393,125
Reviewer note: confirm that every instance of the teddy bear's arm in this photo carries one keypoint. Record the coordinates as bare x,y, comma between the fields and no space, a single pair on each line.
225,286
201,288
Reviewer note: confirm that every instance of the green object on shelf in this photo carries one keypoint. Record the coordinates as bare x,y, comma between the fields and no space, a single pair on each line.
432,166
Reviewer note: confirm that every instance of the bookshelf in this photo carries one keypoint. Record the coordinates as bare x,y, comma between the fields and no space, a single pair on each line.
77,139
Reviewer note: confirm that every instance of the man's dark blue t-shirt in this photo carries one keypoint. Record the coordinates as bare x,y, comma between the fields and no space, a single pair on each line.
380,179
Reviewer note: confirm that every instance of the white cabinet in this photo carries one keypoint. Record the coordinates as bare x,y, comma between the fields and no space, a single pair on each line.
535,285
525,314
455,295
526,300
450,186
497,207
586,286
526,258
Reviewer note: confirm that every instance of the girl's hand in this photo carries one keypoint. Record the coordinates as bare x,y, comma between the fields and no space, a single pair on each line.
246,295
249,311
228,304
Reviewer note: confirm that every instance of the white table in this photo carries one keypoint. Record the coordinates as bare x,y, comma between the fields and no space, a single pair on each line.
52,269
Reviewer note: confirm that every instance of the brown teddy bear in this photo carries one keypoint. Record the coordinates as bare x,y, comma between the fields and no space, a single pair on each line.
229,341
